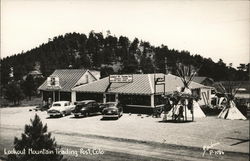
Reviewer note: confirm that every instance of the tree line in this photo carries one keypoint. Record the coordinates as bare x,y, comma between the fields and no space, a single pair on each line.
111,54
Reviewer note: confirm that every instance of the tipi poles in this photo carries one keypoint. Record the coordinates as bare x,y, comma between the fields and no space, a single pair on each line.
185,111
192,112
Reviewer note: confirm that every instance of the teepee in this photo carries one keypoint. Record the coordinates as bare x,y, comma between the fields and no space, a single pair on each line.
196,110
230,111
187,106
198,113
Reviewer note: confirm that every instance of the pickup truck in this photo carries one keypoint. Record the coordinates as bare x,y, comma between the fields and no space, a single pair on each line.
60,108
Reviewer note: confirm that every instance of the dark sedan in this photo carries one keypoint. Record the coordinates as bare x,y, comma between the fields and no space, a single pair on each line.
86,107
112,110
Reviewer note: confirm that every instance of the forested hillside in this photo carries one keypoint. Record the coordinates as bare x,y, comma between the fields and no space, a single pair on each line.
111,54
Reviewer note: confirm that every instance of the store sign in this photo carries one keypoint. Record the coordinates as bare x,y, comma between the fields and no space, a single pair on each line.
121,78
159,81
53,83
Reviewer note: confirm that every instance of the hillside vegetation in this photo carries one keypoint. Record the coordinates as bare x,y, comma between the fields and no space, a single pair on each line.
111,54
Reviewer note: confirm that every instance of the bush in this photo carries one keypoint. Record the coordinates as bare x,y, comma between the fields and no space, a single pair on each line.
37,139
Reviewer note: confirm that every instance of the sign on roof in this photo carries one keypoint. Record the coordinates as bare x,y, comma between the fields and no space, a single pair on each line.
53,82
121,78
159,79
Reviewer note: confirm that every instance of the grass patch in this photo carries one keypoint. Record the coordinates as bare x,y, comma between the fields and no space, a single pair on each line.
35,101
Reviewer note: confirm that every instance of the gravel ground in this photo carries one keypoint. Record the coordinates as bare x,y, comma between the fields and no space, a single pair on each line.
232,135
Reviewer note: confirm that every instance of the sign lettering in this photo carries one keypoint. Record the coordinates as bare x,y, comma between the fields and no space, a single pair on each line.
121,78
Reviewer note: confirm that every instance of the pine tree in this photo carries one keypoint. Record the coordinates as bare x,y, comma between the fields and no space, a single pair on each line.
29,86
13,92
37,138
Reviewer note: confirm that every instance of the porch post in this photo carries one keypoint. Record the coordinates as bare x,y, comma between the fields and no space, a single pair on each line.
54,96
73,96
104,98
209,96
152,100
42,95
116,97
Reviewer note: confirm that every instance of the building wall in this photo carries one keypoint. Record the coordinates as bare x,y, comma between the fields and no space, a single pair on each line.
54,95
143,100
65,96
87,78
89,96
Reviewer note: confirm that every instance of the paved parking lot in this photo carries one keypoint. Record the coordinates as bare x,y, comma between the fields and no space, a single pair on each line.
232,135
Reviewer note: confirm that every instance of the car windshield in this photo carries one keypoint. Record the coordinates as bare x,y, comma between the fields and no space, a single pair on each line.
57,104
81,103
110,105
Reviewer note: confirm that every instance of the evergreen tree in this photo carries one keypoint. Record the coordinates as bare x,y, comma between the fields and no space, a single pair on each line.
13,92
28,86
36,138
93,51
147,65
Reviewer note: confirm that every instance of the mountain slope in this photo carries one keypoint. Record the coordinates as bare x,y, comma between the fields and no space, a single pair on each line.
110,54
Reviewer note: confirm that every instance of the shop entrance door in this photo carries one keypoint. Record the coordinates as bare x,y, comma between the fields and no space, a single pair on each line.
110,98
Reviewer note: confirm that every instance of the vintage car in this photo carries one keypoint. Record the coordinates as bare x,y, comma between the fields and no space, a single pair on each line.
85,108
60,108
112,109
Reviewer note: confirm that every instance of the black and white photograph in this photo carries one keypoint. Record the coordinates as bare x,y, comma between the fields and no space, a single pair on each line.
121,80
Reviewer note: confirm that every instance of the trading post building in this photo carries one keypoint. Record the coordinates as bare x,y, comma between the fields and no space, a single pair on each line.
137,90
131,90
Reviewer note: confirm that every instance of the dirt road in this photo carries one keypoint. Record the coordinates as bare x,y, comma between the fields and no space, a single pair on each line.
114,148
109,136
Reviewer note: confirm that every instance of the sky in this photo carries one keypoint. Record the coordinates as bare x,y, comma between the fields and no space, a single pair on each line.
213,29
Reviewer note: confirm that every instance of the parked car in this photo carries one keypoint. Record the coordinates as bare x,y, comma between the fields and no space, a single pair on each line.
42,107
86,107
60,108
112,109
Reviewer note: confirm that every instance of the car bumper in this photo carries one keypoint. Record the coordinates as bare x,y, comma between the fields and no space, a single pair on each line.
77,114
110,116
54,114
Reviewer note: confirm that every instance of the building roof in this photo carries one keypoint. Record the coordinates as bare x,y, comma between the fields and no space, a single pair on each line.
142,84
98,86
200,80
239,86
67,77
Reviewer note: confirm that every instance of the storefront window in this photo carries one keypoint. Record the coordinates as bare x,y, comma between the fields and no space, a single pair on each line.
89,96
135,100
